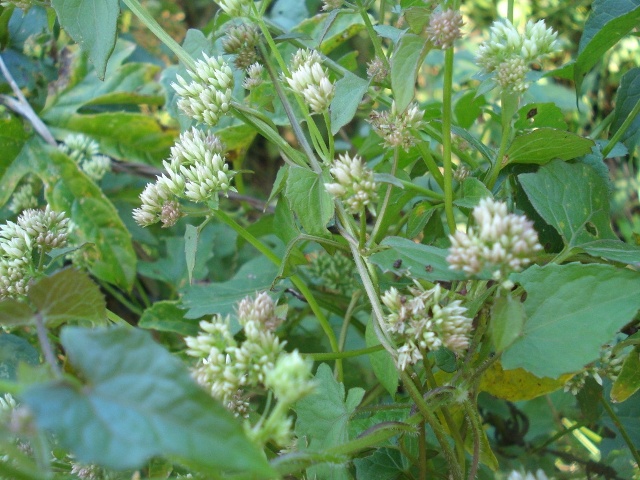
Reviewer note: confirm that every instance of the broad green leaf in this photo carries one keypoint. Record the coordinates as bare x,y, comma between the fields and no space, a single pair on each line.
13,350
68,189
139,402
167,316
628,381
68,295
13,312
576,307
406,61
468,108
309,199
92,25
420,261
382,464
573,199
627,96
472,191
190,249
608,22
507,319
517,384
383,366
349,92
537,115
220,298
615,250
545,144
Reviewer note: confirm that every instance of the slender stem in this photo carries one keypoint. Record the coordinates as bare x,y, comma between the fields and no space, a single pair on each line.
117,319
621,131
385,201
424,191
146,18
621,429
510,10
476,428
509,104
373,36
595,133
332,146
363,229
422,452
427,157
321,357
45,345
347,319
297,281
121,298
446,139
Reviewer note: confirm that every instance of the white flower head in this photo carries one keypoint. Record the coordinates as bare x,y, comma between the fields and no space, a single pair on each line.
310,80
354,183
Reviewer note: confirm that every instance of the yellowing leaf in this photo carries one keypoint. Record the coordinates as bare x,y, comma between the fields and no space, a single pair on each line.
517,384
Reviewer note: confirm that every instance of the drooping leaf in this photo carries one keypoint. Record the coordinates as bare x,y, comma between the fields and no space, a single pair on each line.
627,96
139,402
92,25
383,367
405,62
574,306
571,198
13,350
423,262
167,316
507,320
545,144
517,384
628,381
310,200
68,295
608,22
349,92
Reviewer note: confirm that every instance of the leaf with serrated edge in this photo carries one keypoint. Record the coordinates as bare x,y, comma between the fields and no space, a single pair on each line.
577,307
139,402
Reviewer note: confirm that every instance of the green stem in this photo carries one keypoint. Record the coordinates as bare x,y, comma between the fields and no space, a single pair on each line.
146,18
45,345
297,281
422,452
322,357
427,157
117,319
509,106
621,131
347,319
418,189
595,133
621,429
385,201
446,139
121,298
476,427
373,36
332,146
510,10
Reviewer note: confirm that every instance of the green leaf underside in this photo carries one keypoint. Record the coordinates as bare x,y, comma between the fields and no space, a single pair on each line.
405,62
92,25
423,262
13,312
577,307
545,144
627,96
571,198
139,402
310,200
628,381
13,350
167,316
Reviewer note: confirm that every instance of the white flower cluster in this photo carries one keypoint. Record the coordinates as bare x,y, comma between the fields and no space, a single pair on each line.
424,320
609,365
310,80
501,241
196,171
24,197
395,127
444,28
508,53
208,95
231,369
235,8
85,152
354,183
515,475
36,231
254,76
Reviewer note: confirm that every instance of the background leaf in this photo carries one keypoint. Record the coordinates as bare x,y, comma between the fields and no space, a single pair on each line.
167,316
139,402
545,144
577,307
13,350
517,384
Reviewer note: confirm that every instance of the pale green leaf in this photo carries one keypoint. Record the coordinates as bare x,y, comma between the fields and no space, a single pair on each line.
406,60
309,199
472,191
507,319
349,92
545,144
572,309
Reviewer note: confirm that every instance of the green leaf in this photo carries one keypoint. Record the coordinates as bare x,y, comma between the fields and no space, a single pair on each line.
139,402
627,96
382,464
167,316
573,199
507,319
13,312
473,190
68,189
545,144
13,350
628,381
405,63
538,115
12,140
608,22
383,367
517,384
349,92
574,306
68,295
423,262
92,25
310,200
190,249
615,250
220,298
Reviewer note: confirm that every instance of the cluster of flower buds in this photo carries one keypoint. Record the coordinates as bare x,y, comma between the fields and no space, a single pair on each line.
231,370
196,171
310,80
336,272
377,70
508,53
502,241
444,28
36,231
24,197
425,320
609,365
85,152
354,183
235,8
208,95
241,40
396,128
